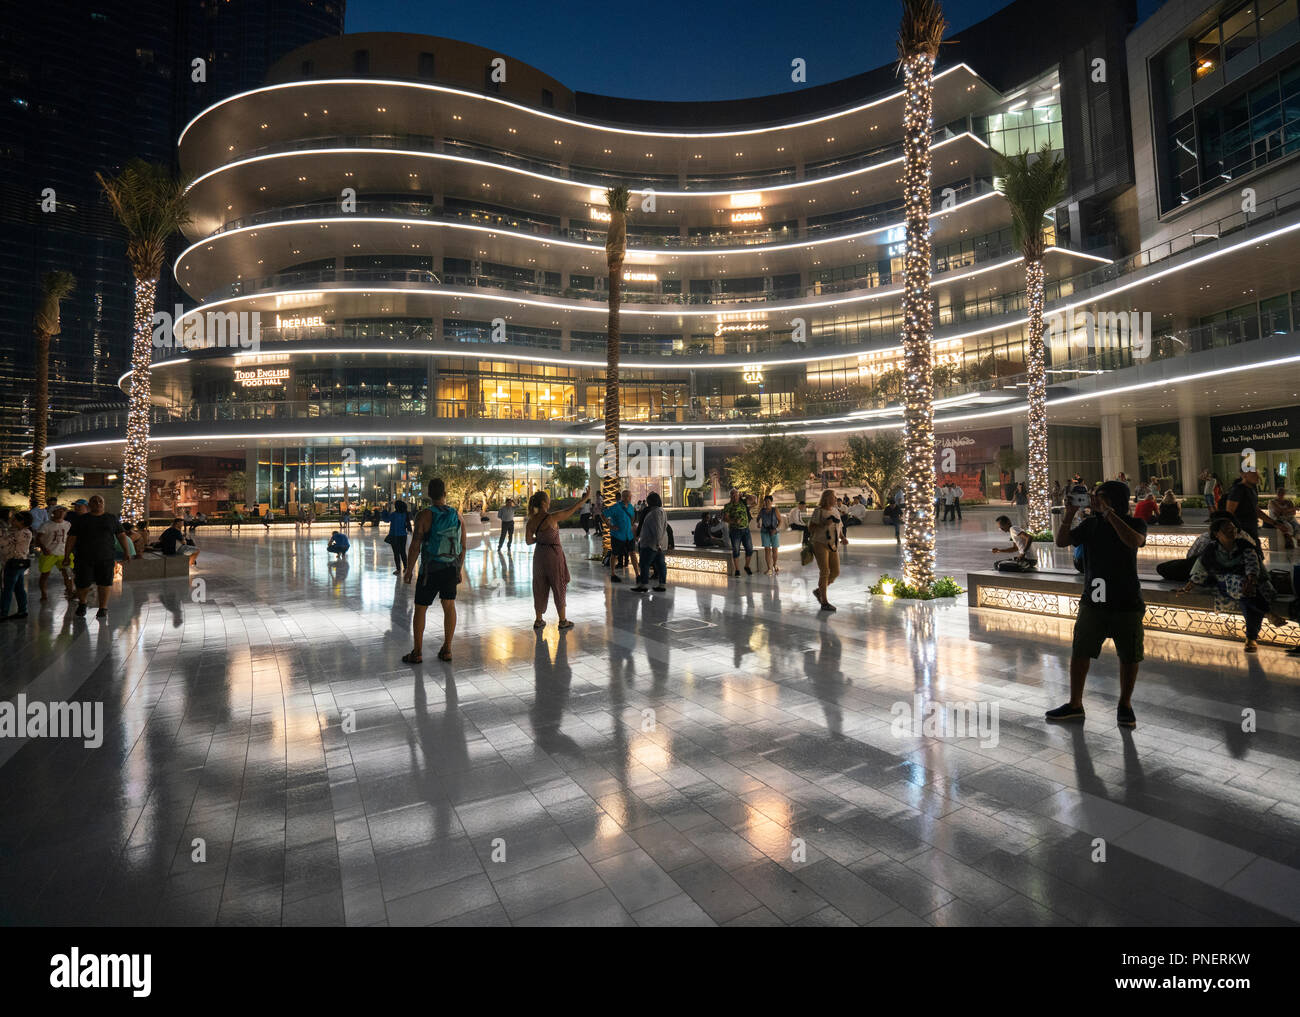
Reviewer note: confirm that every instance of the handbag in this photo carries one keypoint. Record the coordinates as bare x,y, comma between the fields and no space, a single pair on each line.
806,549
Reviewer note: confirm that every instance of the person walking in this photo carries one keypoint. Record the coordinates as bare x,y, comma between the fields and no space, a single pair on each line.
440,536
51,539
506,516
826,529
15,550
957,494
652,542
550,569
399,528
1243,505
1020,498
621,517
92,546
736,515
1111,606
769,531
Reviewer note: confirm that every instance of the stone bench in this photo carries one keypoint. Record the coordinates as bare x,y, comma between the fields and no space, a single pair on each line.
156,566
1055,593
714,560
1184,536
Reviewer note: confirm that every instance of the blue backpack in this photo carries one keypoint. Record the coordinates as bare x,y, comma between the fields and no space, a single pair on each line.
442,543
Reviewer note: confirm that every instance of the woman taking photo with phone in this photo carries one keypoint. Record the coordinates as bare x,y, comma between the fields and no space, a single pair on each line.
550,569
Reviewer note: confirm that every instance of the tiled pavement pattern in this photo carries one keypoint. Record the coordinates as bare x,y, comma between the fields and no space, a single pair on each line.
657,765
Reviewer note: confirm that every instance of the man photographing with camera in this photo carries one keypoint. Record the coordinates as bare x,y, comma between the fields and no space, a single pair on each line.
1111,606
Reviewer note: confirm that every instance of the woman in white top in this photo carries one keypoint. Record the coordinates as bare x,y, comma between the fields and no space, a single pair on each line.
826,529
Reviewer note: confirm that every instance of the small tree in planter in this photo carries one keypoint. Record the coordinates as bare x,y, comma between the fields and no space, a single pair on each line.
773,462
569,478
877,460
1158,450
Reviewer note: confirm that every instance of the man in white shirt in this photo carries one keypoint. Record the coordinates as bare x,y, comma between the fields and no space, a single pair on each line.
52,539
1020,540
945,493
957,493
795,517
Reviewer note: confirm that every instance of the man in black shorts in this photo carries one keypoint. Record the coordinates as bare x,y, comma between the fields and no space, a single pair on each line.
440,536
94,538
1111,606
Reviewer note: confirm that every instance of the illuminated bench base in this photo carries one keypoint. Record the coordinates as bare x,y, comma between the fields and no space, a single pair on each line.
1058,597
1184,537
688,559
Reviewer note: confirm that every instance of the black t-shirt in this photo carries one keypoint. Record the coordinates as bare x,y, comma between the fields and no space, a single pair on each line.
171,539
1247,515
95,536
1108,558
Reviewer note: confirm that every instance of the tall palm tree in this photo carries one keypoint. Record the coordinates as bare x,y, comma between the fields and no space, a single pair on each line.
151,205
920,34
615,252
1032,189
55,286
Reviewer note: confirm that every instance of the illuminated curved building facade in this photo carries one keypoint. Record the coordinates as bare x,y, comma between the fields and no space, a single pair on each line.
420,224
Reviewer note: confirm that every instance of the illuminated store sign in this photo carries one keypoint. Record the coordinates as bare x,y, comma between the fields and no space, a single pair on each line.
307,322
740,326
754,374
261,378
601,215
751,199
640,277
738,217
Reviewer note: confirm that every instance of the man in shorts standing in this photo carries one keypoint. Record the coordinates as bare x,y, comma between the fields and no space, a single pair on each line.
440,536
93,538
736,514
1111,606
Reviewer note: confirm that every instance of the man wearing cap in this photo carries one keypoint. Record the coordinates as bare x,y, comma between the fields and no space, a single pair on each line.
1111,606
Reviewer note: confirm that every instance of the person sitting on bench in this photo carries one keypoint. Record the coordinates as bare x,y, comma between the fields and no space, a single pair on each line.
704,535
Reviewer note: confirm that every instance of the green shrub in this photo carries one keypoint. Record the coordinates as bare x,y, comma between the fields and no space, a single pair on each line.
945,587
1194,501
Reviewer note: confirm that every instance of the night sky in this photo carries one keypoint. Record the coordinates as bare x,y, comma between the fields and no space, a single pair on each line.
724,49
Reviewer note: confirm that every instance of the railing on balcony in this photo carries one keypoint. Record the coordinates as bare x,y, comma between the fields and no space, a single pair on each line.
585,175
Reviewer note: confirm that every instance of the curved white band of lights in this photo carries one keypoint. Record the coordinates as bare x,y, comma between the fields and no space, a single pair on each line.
557,118
586,187
656,254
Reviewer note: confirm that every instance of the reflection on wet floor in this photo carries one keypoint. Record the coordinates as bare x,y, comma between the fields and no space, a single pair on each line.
722,753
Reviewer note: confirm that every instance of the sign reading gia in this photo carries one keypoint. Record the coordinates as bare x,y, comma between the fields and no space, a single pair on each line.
261,377
1262,429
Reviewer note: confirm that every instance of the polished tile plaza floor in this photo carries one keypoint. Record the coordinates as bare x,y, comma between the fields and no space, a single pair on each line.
719,754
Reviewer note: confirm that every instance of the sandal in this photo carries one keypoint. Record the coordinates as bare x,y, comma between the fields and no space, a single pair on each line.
565,624
413,658
539,624
444,654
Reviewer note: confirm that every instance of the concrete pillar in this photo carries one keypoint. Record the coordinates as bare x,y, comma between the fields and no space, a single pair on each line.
1193,451
1131,464
1020,442
1112,446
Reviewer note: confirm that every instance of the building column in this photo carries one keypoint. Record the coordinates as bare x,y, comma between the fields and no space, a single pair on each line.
1132,467
1193,450
1112,446
1020,442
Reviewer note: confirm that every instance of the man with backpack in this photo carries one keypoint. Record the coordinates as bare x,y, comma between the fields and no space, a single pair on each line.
440,536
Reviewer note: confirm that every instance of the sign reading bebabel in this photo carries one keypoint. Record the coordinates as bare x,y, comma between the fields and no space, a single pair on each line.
1263,430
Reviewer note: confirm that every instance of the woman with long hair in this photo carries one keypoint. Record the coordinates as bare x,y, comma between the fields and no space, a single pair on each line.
826,529
1230,566
550,569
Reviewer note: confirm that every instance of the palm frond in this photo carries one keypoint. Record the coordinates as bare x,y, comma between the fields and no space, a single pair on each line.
1032,187
151,205
55,286
922,28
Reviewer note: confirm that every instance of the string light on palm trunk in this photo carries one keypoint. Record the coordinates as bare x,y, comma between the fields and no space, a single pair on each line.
135,460
918,387
1039,497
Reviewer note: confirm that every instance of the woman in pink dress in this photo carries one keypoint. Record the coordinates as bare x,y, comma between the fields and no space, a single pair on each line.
550,570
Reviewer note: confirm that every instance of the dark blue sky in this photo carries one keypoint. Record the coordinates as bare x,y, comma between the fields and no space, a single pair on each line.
723,49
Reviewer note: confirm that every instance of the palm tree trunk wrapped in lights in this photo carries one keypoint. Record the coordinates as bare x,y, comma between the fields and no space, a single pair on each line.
919,37
55,286
1033,189
615,252
151,205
